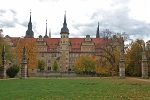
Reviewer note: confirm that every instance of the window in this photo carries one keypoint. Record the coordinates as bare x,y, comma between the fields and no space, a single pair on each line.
49,68
66,53
63,41
89,48
49,61
76,55
63,36
73,55
69,61
86,48
66,58
58,54
42,54
44,48
83,48
72,61
41,48
67,36
66,67
49,55
70,55
55,55
66,47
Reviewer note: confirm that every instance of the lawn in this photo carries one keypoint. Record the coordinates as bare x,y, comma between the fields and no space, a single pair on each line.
73,88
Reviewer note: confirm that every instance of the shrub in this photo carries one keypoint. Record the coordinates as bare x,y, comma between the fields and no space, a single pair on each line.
12,71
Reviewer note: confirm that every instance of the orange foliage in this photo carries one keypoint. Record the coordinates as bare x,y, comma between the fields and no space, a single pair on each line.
31,51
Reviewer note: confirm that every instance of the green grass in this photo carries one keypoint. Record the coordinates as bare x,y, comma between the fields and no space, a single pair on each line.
73,88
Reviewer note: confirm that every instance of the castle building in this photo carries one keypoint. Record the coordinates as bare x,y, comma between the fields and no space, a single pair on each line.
64,49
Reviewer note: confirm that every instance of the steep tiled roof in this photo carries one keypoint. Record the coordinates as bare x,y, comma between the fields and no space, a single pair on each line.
52,43
14,40
76,42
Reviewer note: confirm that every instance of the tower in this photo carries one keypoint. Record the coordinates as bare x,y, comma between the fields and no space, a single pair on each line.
97,33
46,31
29,32
64,47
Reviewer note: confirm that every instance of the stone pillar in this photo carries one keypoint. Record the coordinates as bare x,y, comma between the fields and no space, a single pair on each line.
144,63
24,65
3,68
121,63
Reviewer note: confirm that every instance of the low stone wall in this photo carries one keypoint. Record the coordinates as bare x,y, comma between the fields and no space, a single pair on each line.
63,74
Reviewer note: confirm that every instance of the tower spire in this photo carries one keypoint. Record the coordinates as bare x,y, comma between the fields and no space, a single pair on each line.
97,34
30,15
64,29
46,31
29,32
65,18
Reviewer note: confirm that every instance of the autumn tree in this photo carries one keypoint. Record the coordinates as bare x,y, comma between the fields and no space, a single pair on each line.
133,58
55,66
85,63
109,53
41,64
100,68
8,53
31,51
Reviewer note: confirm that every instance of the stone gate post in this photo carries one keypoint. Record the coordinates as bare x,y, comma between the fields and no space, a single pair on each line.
3,68
24,65
144,63
121,63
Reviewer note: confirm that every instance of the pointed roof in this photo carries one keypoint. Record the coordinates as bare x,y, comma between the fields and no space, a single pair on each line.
97,33
64,29
30,16
46,31
29,32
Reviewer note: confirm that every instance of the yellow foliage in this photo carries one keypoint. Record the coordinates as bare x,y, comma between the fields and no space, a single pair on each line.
31,51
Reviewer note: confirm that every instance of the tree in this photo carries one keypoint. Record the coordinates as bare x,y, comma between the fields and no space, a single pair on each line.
86,64
12,71
133,58
55,66
109,53
41,64
100,68
31,51
9,55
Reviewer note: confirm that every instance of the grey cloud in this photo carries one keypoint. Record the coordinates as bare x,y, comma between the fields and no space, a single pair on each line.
6,22
115,21
24,23
2,11
13,11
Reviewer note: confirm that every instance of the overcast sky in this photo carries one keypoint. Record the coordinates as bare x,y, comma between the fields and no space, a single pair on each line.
130,16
